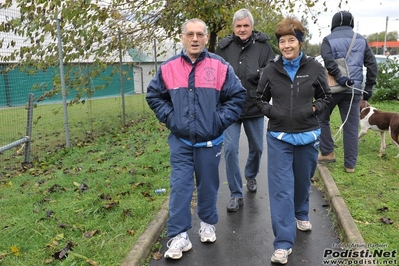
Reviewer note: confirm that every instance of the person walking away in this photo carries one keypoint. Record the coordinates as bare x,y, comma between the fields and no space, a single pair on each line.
336,45
299,89
197,95
248,51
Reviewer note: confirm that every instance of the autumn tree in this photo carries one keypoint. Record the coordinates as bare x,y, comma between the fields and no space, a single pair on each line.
99,30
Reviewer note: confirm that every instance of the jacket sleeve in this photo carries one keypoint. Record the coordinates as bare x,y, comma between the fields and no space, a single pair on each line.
267,55
218,51
232,98
323,95
158,97
263,95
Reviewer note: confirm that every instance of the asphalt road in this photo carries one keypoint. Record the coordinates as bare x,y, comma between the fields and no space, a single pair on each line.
245,237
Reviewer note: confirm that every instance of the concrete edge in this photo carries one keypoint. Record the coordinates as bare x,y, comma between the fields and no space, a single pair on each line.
140,251
346,224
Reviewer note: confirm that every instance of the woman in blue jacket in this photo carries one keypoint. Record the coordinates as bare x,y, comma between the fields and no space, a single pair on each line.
298,86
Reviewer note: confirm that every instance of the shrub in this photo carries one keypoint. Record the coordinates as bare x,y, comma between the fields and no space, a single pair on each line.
387,87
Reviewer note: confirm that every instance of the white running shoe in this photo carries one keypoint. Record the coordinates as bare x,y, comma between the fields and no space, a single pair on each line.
177,245
207,232
281,256
303,225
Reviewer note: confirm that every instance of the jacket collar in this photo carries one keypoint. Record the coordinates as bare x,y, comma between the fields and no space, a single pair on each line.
200,57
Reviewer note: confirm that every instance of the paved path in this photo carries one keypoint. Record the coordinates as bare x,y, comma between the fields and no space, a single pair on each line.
245,237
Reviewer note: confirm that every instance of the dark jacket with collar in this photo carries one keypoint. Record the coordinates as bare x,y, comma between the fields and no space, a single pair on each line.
336,45
247,59
291,108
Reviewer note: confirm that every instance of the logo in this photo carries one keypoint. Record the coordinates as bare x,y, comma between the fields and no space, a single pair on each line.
209,74
360,254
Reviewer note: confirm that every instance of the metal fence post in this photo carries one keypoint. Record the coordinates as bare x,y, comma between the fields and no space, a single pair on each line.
64,101
29,129
121,80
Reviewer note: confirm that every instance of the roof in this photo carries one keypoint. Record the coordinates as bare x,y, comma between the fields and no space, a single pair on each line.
391,44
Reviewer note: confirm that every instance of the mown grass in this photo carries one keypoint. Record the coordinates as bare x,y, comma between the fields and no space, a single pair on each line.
86,119
372,192
91,201
99,195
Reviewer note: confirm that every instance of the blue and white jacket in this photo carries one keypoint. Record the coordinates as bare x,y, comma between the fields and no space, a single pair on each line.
196,100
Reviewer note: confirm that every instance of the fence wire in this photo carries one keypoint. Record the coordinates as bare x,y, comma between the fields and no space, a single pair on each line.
112,100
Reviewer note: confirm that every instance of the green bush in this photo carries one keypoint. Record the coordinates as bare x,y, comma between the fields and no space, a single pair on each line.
387,87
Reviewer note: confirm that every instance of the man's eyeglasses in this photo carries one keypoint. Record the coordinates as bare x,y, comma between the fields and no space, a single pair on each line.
190,35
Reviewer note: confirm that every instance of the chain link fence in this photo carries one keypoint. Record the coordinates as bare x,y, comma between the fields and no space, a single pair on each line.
113,98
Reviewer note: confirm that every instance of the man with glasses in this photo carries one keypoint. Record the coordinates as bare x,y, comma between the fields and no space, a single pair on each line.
197,95
248,51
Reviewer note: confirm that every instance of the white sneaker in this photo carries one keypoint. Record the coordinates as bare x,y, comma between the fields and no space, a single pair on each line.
303,225
177,246
281,256
207,232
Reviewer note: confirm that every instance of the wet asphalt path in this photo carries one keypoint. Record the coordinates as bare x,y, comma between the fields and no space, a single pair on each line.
245,237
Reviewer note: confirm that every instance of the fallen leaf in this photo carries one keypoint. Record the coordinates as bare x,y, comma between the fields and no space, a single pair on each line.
63,226
384,208
63,253
92,262
49,213
111,204
55,188
89,234
146,194
386,220
127,213
105,197
15,250
83,187
157,255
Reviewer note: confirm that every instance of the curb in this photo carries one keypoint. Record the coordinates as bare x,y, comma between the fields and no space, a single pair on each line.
140,251
346,225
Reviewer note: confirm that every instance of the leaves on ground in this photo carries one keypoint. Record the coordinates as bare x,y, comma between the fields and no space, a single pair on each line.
95,199
63,253
384,208
157,255
90,234
386,220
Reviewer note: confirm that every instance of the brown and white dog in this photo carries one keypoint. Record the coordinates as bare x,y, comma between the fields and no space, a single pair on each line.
380,121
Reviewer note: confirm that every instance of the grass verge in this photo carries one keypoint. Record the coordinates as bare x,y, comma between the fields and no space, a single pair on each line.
372,192
86,205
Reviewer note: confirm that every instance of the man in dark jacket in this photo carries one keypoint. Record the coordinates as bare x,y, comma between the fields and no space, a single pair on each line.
248,51
334,46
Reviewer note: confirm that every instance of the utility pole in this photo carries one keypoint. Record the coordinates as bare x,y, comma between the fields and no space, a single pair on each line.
385,38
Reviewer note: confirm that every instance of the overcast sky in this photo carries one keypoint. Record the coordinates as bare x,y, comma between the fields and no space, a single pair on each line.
370,17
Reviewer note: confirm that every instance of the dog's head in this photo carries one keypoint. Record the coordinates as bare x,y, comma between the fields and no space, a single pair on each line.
365,111
363,104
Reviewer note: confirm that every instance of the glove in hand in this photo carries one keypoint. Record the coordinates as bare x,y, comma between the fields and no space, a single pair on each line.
367,94
345,81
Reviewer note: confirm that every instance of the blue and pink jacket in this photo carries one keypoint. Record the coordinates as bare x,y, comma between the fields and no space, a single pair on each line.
196,100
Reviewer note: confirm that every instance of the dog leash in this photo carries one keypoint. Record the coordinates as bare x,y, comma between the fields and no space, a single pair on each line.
347,115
